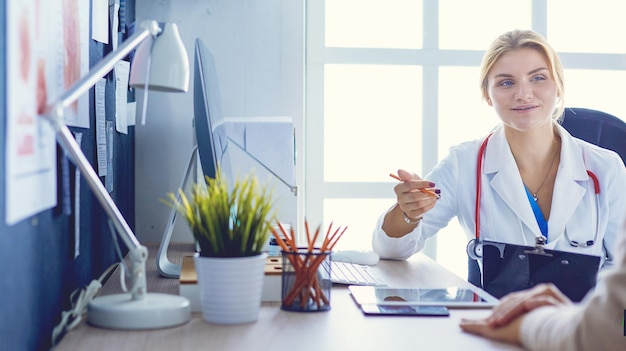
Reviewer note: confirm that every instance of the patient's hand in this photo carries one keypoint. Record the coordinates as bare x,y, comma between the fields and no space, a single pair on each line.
504,322
515,304
509,333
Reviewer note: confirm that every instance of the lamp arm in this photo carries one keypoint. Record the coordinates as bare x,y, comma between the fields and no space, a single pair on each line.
54,114
138,252
71,147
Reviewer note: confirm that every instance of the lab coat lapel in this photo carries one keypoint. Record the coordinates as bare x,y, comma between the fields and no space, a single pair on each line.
506,180
568,191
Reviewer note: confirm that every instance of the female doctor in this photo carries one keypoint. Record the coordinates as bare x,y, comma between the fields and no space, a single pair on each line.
535,178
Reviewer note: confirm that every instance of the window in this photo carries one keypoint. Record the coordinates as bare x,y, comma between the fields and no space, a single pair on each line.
394,83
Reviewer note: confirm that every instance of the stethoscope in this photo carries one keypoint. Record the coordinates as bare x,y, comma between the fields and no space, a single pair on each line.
475,246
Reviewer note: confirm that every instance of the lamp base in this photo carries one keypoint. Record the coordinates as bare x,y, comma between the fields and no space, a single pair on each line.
155,311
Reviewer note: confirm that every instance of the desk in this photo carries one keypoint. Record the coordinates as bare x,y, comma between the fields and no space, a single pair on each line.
343,328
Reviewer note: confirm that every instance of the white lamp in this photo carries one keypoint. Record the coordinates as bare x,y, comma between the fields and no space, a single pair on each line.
160,63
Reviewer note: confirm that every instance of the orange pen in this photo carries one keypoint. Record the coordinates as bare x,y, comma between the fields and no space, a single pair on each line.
424,190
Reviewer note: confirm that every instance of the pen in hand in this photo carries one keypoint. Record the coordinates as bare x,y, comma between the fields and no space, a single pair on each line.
424,190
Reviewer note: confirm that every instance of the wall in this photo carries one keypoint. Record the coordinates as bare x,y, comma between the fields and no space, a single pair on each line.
39,271
258,47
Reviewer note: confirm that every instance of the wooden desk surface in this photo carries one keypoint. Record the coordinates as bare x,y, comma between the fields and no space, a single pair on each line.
342,328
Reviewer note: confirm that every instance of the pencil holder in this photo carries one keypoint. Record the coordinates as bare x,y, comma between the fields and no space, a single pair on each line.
306,283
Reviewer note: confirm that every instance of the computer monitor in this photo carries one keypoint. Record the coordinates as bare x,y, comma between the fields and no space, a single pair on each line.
211,137
223,143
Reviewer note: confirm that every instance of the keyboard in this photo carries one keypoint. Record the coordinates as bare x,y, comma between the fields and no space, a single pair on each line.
353,274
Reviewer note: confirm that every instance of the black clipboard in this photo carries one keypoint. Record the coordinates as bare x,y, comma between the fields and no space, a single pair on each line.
508,268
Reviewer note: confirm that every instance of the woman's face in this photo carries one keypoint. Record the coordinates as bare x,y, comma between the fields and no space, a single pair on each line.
522,90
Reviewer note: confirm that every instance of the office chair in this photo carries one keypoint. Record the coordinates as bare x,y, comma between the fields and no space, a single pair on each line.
596,127
593,126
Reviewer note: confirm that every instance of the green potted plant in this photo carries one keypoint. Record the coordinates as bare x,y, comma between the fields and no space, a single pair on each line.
231,225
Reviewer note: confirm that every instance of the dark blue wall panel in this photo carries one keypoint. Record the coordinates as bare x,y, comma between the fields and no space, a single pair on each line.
36,255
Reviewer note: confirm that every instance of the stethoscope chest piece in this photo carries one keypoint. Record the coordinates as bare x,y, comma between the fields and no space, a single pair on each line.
474,249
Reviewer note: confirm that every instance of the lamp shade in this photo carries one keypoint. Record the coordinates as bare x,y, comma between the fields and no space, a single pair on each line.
166,59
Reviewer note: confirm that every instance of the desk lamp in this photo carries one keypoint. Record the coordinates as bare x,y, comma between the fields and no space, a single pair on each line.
160,47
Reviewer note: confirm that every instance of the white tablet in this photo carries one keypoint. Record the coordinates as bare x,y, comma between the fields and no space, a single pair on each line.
451,297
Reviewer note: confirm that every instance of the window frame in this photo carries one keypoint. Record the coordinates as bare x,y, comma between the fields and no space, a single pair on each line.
430,58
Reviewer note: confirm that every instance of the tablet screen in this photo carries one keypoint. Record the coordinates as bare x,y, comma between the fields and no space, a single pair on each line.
448,296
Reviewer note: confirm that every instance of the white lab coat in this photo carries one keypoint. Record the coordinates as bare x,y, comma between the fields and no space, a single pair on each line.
505,212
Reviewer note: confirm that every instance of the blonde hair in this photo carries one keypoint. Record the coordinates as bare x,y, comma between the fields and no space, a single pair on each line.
518,39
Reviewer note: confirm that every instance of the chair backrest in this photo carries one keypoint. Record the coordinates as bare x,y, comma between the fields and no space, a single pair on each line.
596,127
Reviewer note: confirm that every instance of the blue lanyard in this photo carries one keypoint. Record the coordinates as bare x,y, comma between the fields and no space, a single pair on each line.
543,224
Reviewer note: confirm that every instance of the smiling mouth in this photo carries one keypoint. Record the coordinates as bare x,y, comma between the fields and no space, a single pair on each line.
524,108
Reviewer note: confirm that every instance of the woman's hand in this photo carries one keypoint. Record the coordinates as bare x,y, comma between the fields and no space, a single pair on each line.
504,322
414,198
411,197
515,304
509,333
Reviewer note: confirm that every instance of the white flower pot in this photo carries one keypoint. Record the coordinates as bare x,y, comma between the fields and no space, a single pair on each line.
230,288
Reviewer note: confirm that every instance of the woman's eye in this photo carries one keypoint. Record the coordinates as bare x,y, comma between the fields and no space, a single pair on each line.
537,78
506,83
